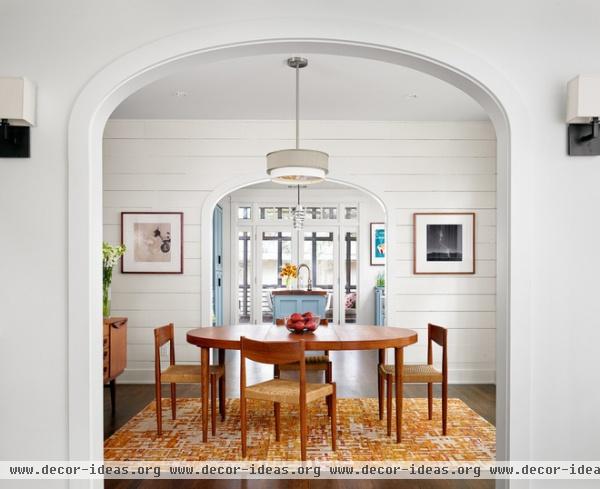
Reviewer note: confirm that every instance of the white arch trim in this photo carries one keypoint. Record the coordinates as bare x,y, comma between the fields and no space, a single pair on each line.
401,46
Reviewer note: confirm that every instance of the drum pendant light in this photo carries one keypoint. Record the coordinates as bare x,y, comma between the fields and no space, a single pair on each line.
297,166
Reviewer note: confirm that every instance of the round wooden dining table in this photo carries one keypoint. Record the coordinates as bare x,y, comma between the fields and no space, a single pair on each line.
331,337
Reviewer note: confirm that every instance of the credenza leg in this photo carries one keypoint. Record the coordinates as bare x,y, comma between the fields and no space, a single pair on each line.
113,396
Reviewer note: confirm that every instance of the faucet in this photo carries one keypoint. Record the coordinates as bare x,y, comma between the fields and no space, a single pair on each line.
304,265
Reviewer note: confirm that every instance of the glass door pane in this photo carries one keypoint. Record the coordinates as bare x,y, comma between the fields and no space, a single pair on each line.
350,264
275,250
244,277
319,253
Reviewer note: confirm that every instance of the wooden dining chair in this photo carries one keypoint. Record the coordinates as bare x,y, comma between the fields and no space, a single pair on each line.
313,363
281,391
183,374
421,374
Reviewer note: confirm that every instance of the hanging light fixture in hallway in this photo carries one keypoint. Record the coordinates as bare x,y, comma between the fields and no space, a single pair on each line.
298,214
302,166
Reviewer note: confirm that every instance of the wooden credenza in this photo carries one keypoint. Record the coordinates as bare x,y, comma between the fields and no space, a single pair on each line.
115,353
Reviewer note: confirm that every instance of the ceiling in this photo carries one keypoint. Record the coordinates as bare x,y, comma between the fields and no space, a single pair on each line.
331,87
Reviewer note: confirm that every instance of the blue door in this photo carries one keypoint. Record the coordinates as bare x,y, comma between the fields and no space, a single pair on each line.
218,265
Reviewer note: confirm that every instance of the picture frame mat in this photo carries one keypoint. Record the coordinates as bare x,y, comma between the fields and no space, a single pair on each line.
420,264
175,265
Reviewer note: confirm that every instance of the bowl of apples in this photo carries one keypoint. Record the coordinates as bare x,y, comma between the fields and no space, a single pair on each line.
302,323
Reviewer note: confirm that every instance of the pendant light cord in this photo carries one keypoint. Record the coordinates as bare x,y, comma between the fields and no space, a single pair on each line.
297,108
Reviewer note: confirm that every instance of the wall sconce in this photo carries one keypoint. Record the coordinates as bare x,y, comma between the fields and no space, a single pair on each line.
583,113
17,113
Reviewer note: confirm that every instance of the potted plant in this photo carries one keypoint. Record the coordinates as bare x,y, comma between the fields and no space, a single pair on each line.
110,257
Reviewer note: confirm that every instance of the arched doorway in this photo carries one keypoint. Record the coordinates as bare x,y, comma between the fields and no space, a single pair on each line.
339,234
138,68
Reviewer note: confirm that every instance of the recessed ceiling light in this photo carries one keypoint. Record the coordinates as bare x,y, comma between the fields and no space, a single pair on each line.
180,93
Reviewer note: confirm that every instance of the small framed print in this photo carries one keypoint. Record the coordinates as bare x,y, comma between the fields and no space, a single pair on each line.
444,243
378,244
154,242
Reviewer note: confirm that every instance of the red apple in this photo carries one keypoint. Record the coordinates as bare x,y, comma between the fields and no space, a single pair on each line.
308,315
310,325
298,325
296,317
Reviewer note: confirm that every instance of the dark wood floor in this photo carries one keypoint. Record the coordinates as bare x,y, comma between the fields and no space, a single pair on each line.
354,373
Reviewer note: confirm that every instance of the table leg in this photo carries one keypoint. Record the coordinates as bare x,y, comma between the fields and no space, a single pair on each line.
222,394
399,361
204,367
380,381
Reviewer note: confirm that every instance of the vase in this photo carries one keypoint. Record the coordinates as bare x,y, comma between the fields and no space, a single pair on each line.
106,282
106,301
288,283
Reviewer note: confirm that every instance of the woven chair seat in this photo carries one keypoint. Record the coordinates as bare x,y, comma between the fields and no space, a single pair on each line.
414,374
287,391
314,362
187,374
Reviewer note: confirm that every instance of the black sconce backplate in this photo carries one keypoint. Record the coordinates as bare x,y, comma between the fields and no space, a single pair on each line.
580,142
14,141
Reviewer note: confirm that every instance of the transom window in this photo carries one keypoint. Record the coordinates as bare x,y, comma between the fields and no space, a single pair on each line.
342,213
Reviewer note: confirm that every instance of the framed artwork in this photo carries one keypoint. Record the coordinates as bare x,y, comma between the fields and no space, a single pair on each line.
154,242
377,244
444,243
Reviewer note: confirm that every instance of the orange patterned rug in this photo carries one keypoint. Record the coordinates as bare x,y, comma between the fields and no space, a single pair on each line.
361,436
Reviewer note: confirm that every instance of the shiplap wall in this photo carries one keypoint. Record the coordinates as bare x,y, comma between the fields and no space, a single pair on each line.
160,165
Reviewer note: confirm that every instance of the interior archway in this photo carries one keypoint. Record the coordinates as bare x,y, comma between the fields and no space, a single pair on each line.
136,69
206,225
316,195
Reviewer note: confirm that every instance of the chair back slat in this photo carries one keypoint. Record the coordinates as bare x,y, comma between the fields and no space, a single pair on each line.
162,335
438,334
272,352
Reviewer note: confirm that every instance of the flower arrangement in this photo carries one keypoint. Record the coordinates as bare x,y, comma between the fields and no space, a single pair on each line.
288,272
110,257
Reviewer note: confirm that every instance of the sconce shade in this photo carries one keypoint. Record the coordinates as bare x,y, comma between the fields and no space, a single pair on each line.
583,99
17,101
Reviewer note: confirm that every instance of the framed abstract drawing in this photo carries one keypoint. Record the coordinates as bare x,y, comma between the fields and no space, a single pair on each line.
444,243
154,242
378,244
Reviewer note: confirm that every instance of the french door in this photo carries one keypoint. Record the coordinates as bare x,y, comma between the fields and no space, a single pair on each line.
319,250
328,251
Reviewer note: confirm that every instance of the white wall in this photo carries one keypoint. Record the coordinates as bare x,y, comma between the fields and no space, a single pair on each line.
537,45
160,165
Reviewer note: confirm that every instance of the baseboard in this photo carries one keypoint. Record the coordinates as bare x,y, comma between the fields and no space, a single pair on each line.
456,376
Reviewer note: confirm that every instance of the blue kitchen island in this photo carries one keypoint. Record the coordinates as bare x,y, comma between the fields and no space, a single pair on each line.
287,302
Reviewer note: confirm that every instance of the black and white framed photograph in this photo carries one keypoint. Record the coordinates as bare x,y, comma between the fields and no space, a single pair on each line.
154,242
444,243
